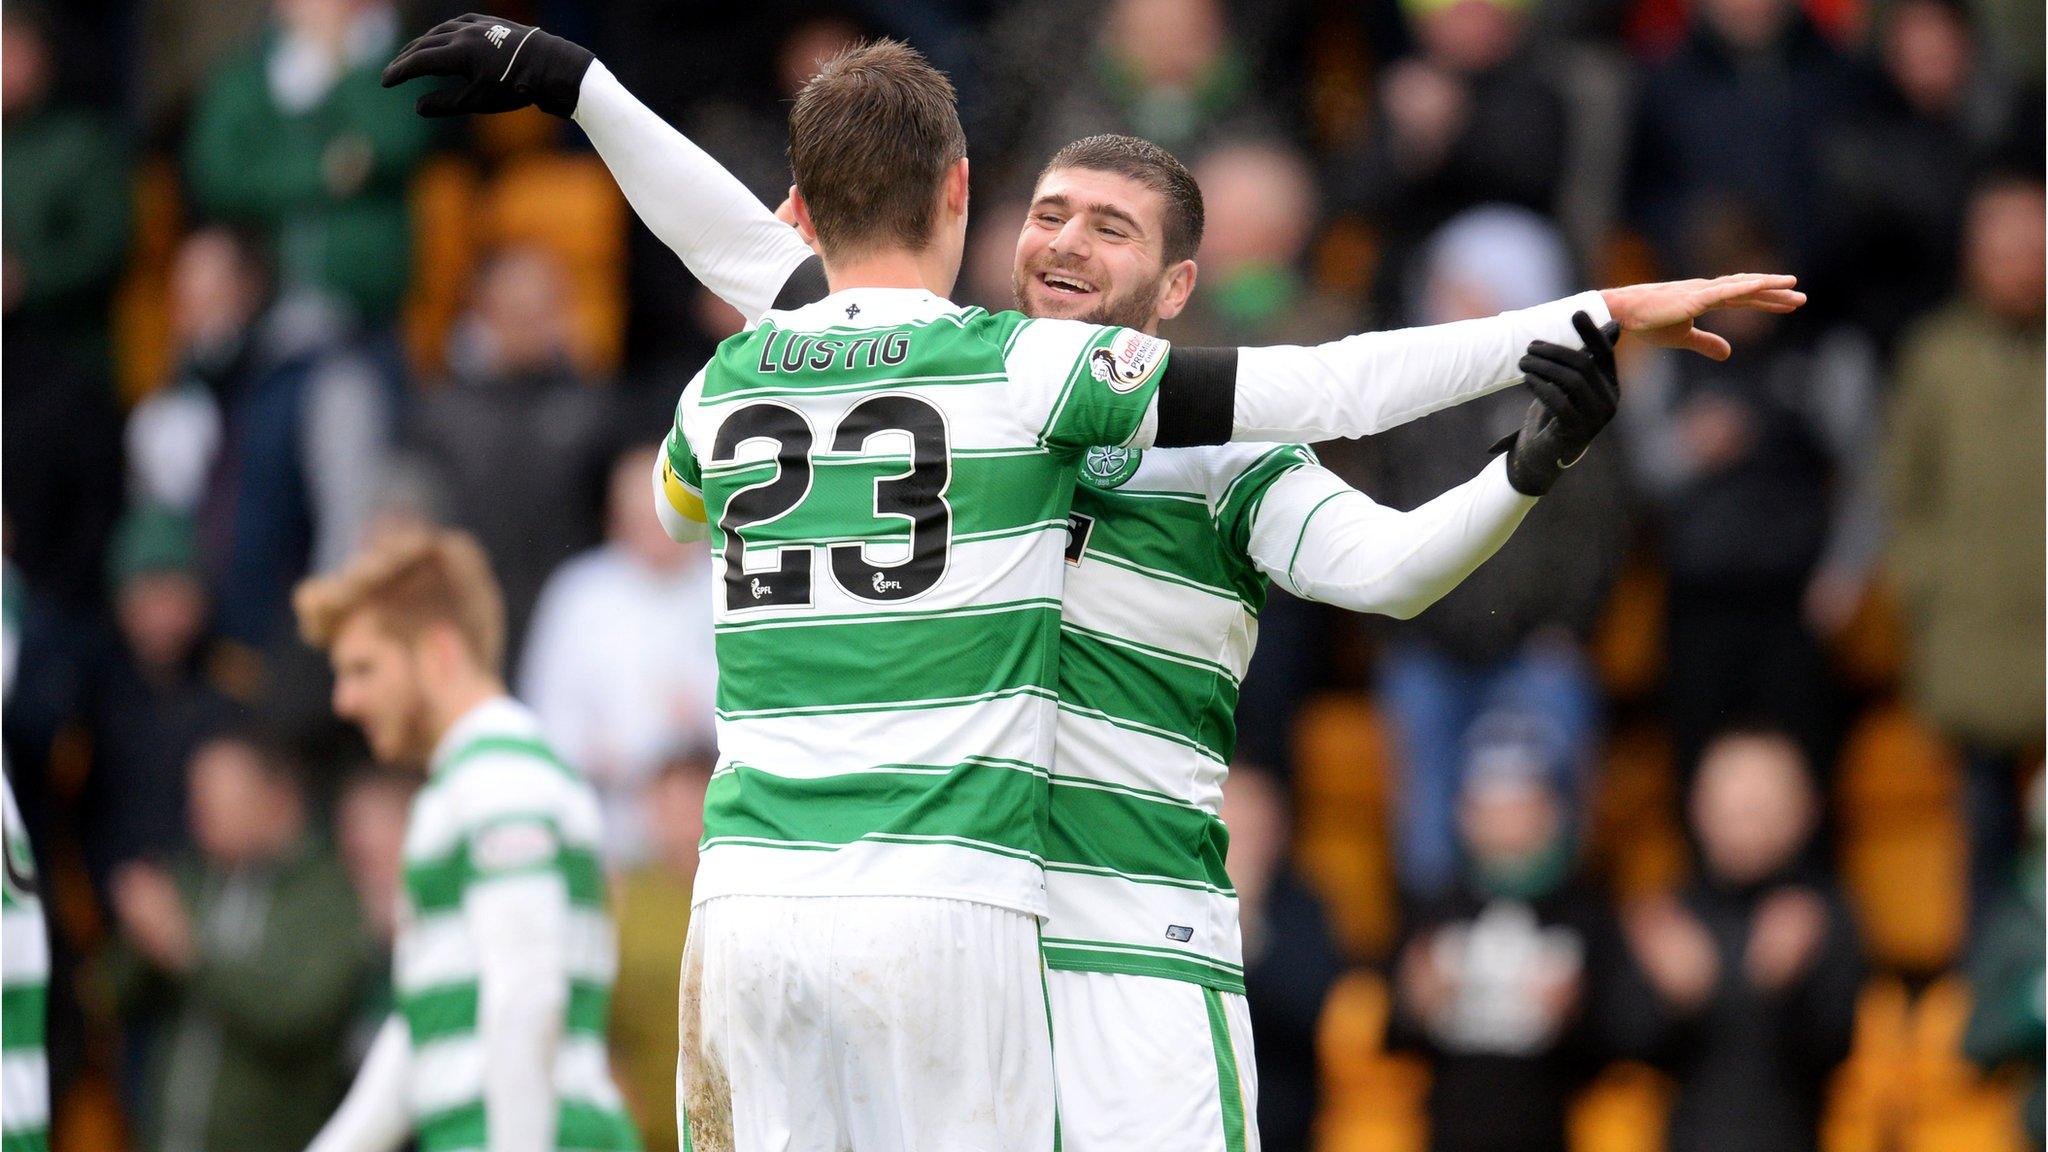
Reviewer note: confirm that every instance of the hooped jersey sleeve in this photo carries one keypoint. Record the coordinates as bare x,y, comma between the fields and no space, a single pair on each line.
1235,504
1087,385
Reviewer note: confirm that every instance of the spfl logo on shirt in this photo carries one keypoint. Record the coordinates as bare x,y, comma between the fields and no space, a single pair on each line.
1130,359
1109,467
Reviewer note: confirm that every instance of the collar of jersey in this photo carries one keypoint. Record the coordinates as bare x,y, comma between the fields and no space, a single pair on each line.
878,308
498,716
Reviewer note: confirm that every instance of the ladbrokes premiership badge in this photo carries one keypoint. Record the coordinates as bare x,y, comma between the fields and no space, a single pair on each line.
1130,359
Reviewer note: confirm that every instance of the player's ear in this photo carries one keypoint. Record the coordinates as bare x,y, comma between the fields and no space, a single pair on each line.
1180,284
800,215
954,188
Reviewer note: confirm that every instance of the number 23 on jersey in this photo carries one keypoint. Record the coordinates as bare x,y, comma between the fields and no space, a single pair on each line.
914,497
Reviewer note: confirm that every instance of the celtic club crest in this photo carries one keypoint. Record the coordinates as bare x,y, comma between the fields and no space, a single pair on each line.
1109,467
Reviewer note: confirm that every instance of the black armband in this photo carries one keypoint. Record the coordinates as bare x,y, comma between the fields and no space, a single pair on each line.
806,285
1197,397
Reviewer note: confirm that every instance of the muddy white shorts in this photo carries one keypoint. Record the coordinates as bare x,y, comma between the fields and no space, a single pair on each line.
1146,1062
863,1023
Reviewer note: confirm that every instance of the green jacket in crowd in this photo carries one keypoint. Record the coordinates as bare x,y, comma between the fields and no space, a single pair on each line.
247,1051
1963,468
64,220
328,184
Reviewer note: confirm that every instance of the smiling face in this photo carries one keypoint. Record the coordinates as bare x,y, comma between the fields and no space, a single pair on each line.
1093,248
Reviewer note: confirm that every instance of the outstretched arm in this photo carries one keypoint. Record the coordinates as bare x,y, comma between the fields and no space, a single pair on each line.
1369,383
728,240
1365,384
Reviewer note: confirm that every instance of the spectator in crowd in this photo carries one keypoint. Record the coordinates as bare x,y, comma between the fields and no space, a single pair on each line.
1962,468
1260,204
619,664
1512,636
66,209
1744,985
269,433
1899,177
517,397
652,900
369,832
1741,110
64,234
1291,958
2006,971
181,44
295,136
1170,71
149,698
1759,470
244,959
1497,981
1472,118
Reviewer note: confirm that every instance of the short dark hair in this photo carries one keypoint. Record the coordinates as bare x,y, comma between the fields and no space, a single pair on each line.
1155,168
870,137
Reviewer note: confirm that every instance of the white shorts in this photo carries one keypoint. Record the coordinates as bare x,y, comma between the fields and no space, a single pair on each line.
1146,1062
863,1023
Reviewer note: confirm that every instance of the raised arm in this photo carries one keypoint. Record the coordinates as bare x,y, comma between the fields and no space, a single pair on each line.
726,238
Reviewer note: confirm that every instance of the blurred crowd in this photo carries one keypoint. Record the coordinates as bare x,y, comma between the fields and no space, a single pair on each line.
1706,815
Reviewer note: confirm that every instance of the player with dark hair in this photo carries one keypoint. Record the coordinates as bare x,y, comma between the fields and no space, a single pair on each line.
888,680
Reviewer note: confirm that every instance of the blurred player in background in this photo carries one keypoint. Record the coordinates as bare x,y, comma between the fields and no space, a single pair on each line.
25,962
505,954
1139,857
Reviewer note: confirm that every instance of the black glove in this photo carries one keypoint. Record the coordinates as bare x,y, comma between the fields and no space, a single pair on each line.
1577,391
507,66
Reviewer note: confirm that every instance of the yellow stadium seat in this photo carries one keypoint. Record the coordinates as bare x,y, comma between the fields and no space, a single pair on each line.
142,302
514,133
1871,652
86,1116
570,206
1867,1095
1628,645
1372,1100
444,243
1635,836
1906,1086
1903,848
1954,1106
1342,796
1624,1109
566,204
